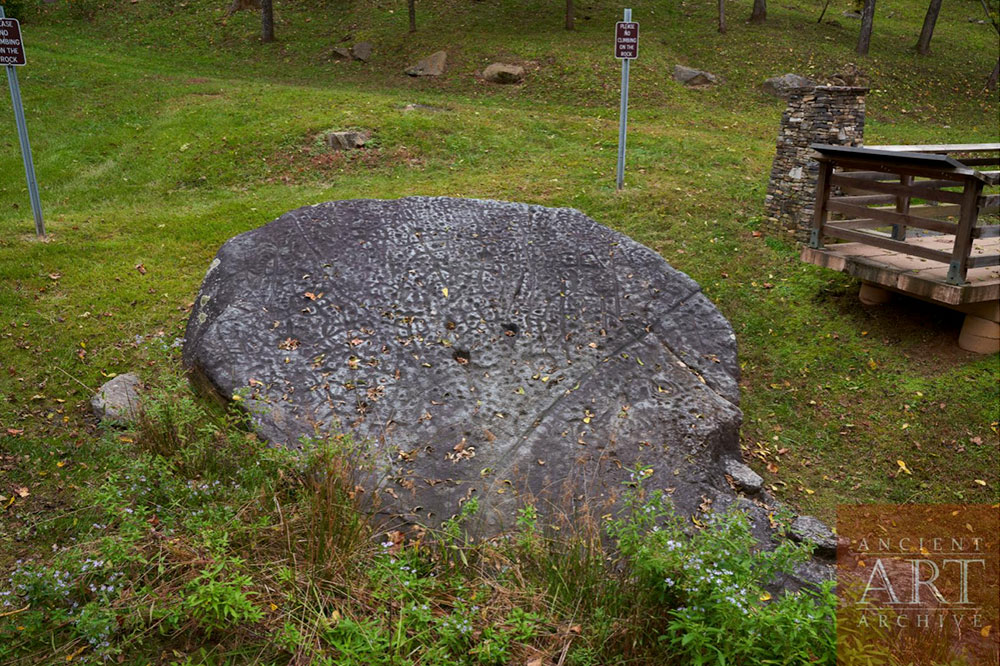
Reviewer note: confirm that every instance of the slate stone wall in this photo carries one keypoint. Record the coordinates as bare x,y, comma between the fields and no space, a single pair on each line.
823,114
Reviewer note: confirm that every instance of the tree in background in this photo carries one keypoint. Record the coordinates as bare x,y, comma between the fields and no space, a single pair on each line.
924,43
570,15
722,16
867,16
759,13
411,5
266,21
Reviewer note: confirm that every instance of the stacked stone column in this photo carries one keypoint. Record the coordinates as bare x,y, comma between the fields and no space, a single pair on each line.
825,114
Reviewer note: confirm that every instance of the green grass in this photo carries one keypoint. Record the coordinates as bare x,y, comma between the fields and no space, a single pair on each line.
161,130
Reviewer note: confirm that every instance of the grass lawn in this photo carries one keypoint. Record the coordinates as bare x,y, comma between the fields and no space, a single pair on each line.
160,130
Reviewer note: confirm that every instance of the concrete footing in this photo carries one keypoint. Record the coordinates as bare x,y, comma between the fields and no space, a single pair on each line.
980,335
872,295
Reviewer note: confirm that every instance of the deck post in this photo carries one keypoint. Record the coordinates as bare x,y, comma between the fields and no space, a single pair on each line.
902,207
959,265
822,198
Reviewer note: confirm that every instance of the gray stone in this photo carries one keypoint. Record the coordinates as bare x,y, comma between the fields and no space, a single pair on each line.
784,85
694,78
432,65
812,530
486,349
847,13
341,53
118,399
500,72
346,140
743,477
362,51
413,106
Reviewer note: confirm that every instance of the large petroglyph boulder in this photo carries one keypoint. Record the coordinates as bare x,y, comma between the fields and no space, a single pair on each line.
483,349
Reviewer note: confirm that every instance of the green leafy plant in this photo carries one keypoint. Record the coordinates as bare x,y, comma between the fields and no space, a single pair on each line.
221,599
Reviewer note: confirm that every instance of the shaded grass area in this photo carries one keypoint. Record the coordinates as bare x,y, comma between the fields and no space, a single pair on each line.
161,131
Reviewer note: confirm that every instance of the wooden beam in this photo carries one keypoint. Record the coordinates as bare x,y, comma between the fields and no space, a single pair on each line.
943,148
893,218
927,189
984,260
888,244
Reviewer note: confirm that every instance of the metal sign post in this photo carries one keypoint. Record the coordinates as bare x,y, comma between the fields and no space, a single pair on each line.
626,49
12,55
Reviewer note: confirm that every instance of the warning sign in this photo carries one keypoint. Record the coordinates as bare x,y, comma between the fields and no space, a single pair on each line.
626,40
11,47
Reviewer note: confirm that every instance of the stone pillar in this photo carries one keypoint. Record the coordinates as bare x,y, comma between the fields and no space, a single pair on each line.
823,114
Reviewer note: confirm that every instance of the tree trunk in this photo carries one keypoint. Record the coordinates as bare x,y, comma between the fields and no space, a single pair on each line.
266,21
867,16
722,16
759,13
411,5
924,43
991,85
570,15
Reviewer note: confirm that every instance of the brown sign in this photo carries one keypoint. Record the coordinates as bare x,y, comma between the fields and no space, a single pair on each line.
626,40
11,47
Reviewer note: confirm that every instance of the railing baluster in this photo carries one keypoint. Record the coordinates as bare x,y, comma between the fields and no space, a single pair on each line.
902,206
822,199
959,265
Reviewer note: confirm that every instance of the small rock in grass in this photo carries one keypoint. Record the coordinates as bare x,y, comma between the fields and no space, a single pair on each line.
432,65
695,78
500,72
346,140
341,53
118,399
362,51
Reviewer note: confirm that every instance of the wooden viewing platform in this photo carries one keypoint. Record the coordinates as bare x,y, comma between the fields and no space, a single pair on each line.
916,221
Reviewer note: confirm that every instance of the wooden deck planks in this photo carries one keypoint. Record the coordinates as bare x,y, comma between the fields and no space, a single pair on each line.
923,278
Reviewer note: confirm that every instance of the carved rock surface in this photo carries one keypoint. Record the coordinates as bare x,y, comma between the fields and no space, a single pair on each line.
498,350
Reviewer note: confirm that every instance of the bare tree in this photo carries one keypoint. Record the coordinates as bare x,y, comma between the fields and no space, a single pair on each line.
759,13
924,43
570,15
865,38
411,5
991,83
722,16
266,21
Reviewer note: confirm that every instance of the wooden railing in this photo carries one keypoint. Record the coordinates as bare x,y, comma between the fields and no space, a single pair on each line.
881,192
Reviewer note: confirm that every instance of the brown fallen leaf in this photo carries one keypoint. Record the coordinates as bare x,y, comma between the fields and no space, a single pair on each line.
21,491
141,268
